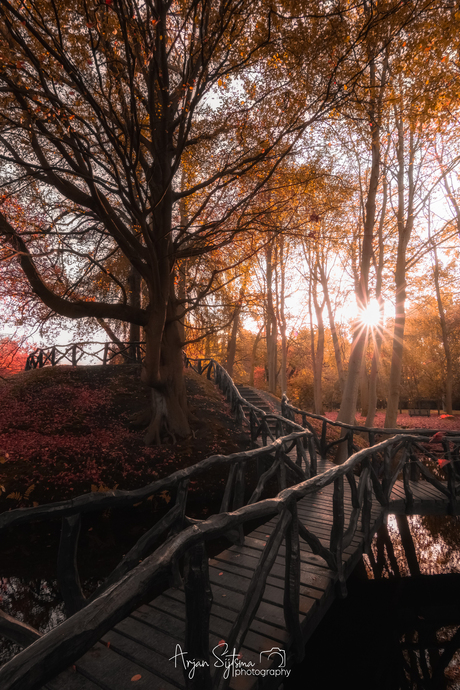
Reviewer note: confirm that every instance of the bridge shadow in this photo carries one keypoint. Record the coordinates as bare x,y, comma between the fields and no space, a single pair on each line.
399,627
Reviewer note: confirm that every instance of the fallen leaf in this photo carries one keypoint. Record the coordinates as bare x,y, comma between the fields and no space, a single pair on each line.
136,677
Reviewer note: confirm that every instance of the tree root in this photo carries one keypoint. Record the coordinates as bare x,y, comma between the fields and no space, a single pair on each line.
141,419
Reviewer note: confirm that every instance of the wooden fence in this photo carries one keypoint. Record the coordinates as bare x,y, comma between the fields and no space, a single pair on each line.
74,353
182,556
348,432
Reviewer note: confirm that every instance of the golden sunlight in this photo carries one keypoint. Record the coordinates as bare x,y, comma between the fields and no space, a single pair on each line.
370,316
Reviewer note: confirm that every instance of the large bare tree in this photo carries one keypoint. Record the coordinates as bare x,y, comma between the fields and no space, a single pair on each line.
106,108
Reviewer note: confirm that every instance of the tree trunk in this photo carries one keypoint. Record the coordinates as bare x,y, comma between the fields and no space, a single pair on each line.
163,368
404,231
348,405
319,354
364,386
445,335
271,325
373,380
335,339
231,346
134,287
253,356
377,336
166,378
282,318
373,377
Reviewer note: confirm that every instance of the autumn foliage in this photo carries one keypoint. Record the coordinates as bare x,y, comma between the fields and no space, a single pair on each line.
67,431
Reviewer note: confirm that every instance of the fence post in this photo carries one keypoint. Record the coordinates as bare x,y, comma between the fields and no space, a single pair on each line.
323,440
350,443
292,584
198,602
337,531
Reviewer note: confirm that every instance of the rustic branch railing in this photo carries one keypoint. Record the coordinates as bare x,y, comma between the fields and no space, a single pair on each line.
263,425
74,353
370,474
348,431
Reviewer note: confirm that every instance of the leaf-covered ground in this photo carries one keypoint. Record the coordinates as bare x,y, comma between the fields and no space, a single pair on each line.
65,431
405,421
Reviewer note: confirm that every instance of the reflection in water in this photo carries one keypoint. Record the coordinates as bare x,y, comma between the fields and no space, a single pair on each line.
399,627
429,544
35,601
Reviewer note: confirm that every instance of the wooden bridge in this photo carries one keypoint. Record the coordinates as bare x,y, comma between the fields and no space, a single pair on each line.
169,617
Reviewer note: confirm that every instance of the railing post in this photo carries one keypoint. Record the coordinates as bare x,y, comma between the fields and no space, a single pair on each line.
292,584
67,572
323,440
74,355
40,358
337,531
198,602
313,459
350,443
106,353
367,503
302,456
264,432
282,482
386,474
253,424
238,497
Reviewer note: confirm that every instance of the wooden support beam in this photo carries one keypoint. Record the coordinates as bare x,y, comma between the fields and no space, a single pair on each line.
67,570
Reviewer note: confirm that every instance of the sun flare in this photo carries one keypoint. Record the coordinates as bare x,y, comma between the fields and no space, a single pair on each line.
370,316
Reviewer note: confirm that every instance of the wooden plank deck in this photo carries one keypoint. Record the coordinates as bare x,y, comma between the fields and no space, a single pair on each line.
143,644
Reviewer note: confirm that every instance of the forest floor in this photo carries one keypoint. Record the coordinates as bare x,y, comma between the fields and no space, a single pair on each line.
65,431
441,422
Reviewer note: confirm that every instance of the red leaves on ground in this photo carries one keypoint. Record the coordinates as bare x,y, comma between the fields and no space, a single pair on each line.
405,421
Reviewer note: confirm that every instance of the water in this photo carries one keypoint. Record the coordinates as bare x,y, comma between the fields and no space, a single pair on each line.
33,601
395,630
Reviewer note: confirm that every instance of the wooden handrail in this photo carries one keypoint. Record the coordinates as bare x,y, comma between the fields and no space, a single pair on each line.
288,410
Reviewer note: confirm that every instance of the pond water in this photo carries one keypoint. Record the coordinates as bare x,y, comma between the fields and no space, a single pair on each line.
36,602
398,628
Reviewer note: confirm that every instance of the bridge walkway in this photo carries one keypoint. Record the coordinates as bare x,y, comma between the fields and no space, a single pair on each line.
137,652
